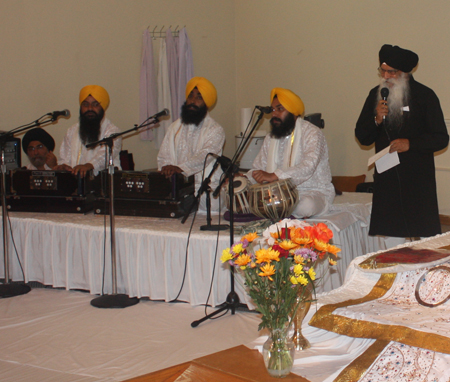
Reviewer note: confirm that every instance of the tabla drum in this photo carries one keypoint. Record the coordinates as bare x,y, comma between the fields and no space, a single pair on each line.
240,201
275,200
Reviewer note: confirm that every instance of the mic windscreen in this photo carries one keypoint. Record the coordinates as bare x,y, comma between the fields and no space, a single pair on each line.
384,93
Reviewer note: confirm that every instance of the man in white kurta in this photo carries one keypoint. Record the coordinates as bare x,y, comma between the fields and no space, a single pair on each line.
191,138
93,126
297,150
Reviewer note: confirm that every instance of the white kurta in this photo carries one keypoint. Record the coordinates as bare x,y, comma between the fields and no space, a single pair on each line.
73,152
307,167
187,146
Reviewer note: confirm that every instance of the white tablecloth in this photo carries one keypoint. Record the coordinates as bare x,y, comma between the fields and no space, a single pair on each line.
67,250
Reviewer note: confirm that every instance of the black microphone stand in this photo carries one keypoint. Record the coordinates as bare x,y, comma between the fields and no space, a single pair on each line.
232,301
8,288
115,300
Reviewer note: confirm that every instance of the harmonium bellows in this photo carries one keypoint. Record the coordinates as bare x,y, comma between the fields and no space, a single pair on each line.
146,193
50,191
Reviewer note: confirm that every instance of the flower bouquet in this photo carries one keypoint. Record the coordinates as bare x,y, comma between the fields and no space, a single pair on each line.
278,270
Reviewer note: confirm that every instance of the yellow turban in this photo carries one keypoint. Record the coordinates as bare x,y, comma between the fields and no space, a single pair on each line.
206,89
290,101
96,91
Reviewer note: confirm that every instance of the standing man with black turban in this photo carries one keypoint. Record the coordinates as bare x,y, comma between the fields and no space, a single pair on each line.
295,149
411,122
192,137
39,146
93,126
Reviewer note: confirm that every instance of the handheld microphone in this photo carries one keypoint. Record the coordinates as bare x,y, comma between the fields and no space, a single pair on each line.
384,94
160,114
264,109
62,113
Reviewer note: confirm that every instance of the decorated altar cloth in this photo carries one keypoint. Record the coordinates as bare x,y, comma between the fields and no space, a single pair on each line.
67,250
389,321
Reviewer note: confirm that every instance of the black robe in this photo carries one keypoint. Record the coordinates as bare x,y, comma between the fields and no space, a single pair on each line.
404,198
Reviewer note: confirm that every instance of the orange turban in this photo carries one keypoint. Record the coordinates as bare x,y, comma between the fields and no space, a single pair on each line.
290,101
96,91
206,89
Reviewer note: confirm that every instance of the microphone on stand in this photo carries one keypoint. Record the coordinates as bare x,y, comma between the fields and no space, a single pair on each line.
384,94
264,109
160,114
62,113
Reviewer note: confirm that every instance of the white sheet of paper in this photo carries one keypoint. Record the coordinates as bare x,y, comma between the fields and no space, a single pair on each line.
384,160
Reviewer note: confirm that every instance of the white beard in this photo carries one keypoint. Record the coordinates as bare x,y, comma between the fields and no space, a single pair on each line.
398,96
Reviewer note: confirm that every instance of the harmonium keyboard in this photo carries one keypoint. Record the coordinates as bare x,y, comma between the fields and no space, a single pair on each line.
50,191
146,193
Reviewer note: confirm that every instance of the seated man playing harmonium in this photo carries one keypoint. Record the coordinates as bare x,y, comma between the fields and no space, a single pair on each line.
190,139
39,146
297,150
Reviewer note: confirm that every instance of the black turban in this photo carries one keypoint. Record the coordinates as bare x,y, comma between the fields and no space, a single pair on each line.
38,134
398,58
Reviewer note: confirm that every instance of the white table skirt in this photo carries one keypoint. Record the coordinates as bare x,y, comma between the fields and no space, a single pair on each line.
67,250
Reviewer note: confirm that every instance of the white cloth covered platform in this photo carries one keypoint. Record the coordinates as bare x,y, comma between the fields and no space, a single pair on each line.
67,250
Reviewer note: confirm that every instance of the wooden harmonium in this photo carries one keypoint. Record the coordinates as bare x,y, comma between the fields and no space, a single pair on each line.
146,194
50,191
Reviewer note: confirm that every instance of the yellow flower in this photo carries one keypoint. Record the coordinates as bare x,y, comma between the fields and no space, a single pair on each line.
298,269
302,280
311,273
226,255
242,261
299,259
237,248
250,237
331,261
287,245
267,271
293,280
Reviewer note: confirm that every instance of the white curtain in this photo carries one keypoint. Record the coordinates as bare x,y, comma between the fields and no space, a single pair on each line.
167,90
147,90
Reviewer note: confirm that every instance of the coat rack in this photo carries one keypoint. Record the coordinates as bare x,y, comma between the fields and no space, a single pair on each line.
161,33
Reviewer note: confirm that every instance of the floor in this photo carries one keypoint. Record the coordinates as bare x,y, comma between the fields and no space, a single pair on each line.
56,335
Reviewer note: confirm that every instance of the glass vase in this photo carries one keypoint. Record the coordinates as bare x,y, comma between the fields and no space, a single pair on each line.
304,300
279,353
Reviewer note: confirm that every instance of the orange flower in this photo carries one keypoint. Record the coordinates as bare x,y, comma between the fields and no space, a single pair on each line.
288,245
267,271
242,261
250,237
323,233
333,249
301,236
265,255
320,246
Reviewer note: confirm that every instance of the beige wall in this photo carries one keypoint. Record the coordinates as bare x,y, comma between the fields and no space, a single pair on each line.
325,50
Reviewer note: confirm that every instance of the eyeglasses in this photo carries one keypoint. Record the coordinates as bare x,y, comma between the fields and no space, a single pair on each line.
32,149
86,104
279,109
391,72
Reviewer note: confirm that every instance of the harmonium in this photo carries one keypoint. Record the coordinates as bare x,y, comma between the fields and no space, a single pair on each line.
50,191
146,193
